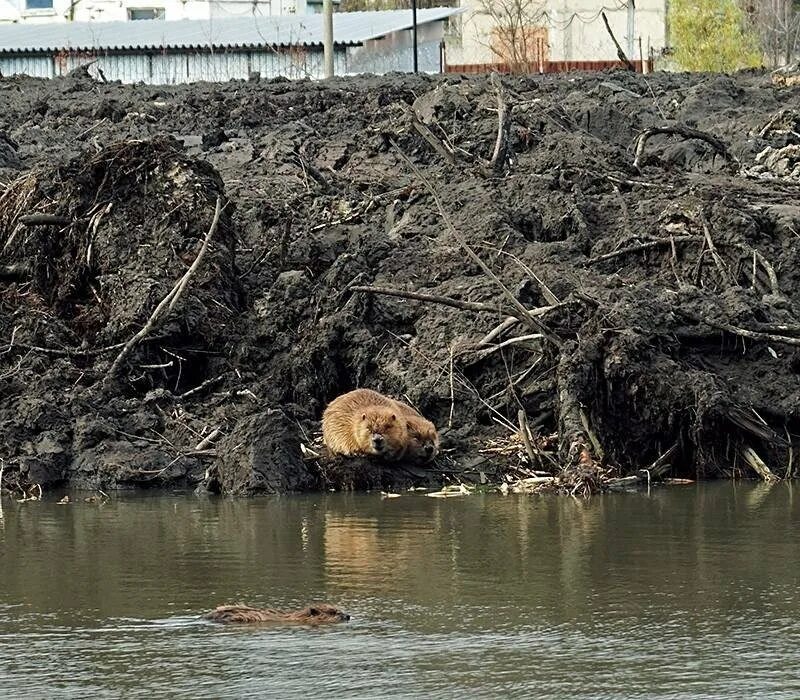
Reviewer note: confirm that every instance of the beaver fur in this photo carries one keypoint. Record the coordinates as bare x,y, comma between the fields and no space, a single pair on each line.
364,422
244,614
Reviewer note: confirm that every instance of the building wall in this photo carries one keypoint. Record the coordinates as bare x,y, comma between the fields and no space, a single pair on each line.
391,53
38,11
395,52
574,30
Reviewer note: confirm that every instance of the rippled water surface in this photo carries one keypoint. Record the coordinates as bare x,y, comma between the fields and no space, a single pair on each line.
688,592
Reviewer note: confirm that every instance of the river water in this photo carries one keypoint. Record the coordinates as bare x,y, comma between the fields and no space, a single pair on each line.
685,592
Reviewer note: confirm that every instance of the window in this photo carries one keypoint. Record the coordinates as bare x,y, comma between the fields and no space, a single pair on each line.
144,12
38,4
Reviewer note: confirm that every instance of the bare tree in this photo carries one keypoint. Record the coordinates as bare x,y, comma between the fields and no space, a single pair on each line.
777,25
518,36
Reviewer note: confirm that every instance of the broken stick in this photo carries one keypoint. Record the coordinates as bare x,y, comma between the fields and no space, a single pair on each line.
620,53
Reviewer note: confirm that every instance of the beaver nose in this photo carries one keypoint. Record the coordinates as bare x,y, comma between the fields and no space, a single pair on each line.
346,617
429,450
378,442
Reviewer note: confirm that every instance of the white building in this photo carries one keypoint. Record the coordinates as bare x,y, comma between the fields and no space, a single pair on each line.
40,11
556,33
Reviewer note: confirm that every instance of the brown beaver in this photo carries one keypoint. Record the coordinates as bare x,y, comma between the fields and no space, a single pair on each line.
364,422
312,615
423,440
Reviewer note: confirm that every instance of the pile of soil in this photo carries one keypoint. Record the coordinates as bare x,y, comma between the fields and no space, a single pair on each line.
576,315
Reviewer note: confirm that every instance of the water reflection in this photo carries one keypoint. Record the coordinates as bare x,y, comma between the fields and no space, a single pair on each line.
680,592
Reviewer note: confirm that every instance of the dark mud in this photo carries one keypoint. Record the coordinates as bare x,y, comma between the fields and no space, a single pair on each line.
669,335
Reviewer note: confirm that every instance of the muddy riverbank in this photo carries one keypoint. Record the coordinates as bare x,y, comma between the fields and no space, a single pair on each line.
632,301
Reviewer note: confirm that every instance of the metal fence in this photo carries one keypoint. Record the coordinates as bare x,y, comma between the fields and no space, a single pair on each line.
171,67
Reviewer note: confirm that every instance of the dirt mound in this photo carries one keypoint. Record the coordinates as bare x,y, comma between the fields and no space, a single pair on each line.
576,276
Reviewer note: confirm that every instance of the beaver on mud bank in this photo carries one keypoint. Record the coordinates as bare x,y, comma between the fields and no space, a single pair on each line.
364,422
318,614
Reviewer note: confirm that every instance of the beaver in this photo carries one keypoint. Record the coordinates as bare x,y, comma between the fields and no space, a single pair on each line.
311,615
423,440
364,422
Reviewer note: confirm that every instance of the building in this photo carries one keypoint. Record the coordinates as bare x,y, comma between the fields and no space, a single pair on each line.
164,52
548,35
47,11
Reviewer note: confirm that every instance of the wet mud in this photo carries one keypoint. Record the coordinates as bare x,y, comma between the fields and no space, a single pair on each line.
590,302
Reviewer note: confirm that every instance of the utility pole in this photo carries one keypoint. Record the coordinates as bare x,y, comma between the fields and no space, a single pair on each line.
631,27
414,34
327,36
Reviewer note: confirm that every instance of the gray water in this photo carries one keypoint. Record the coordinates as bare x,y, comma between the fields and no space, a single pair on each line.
686,592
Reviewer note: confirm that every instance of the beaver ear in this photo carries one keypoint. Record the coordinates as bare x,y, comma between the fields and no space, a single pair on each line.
313,611
394,417
363,416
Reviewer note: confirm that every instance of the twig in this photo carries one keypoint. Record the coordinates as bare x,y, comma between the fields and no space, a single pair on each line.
503,122
169,301
452,392
640,247
77,352
522,312
433,298
200,387
2,469
498,330
773,277
620,53
687,133
526,438
511,341
718,261
513,320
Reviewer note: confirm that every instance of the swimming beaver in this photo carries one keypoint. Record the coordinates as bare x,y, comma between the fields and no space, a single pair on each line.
312,615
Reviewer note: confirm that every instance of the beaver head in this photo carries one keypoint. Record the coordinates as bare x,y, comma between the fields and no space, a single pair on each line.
423,440
380,432
321,612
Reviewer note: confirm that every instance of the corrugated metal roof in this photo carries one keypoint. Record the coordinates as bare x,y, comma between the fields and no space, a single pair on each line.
237,32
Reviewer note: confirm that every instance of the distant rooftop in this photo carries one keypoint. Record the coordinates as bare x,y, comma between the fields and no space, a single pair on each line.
349,28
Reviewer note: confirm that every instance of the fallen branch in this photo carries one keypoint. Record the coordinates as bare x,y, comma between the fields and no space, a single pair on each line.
665,242
168,302
757,464
743,332
620,53
522,312
678,130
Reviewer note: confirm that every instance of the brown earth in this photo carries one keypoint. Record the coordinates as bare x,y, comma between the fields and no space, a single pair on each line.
675,287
